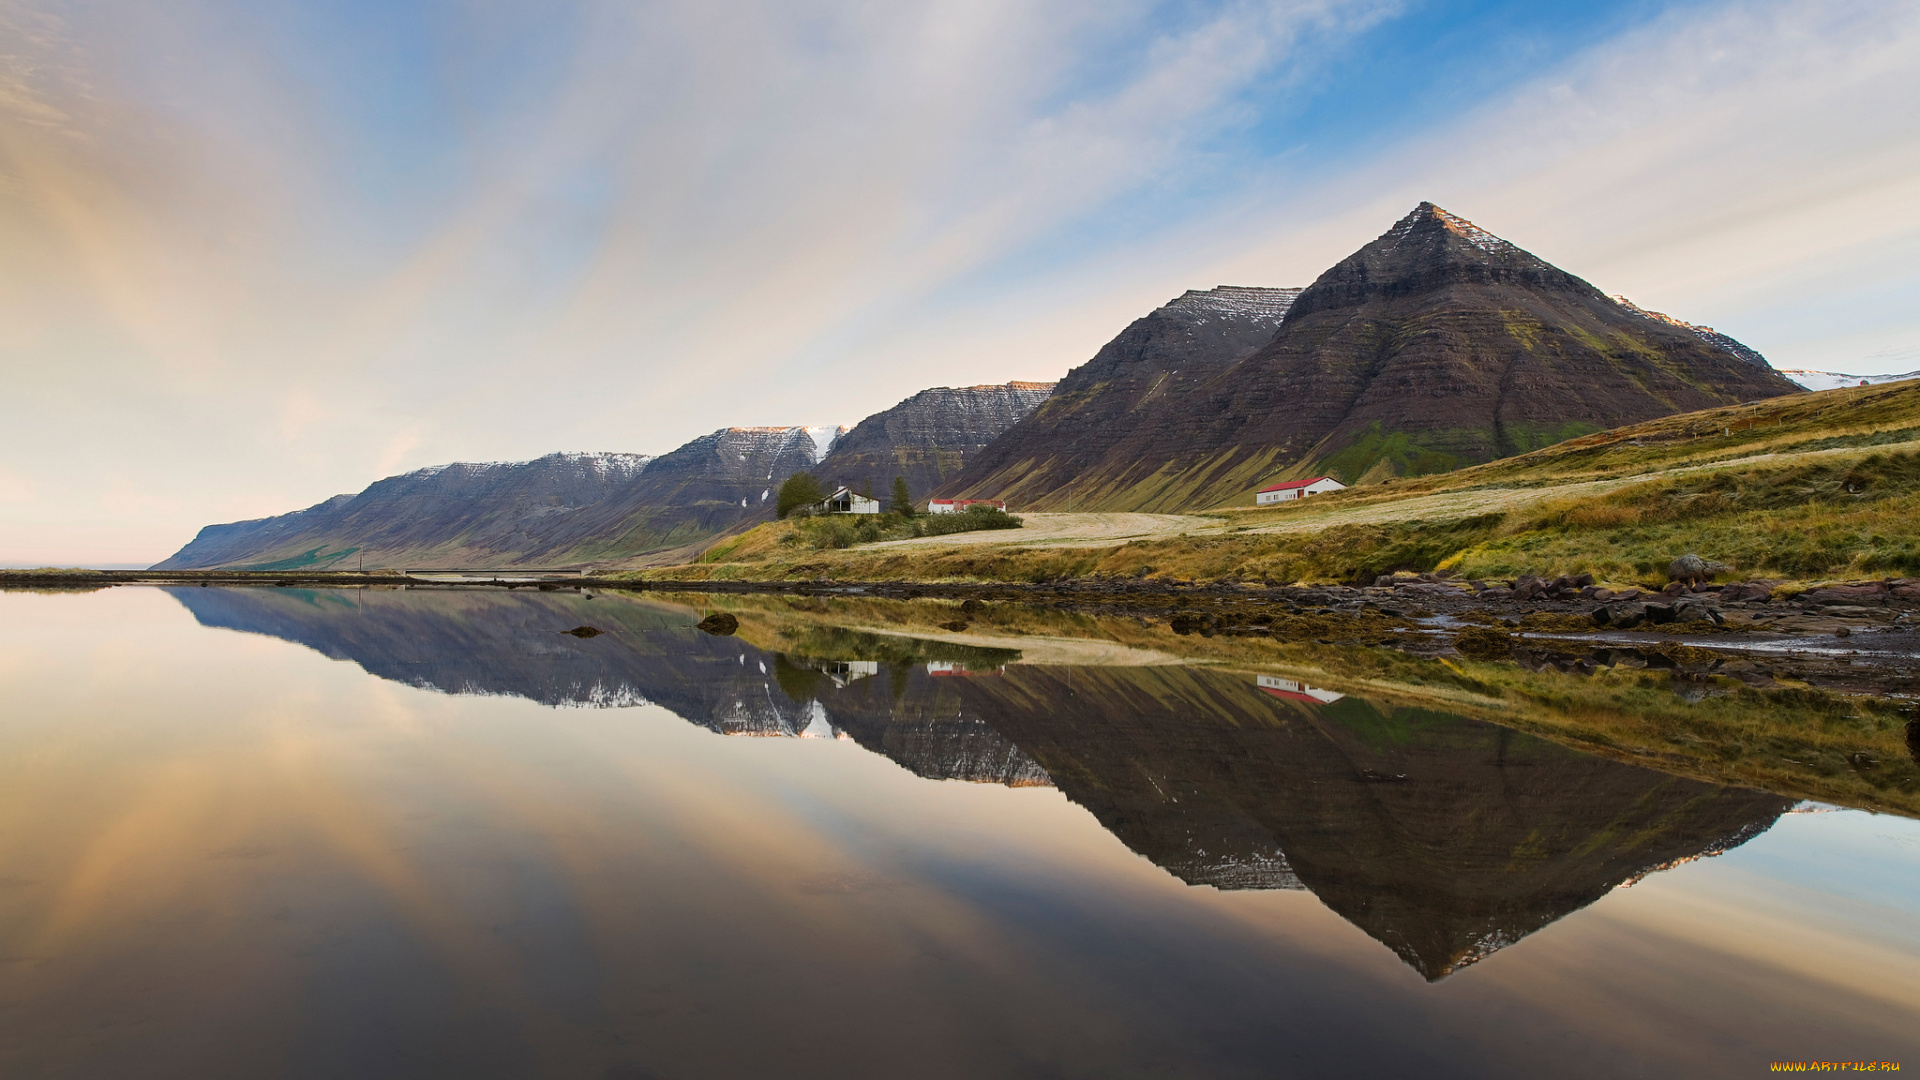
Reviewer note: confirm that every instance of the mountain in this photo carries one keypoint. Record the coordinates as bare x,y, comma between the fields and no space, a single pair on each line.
559,510
1437,345
927,438
463,514
1167,352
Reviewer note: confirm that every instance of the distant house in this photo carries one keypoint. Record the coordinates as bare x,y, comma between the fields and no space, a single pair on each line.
955,506
1295,489
844,501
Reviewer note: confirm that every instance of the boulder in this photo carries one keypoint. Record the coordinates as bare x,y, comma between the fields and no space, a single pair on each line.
1688,611
719,624
1689,569
1870,594
1659,613
1622,616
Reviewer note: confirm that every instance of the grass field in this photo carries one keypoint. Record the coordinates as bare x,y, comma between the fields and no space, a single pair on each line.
1808,487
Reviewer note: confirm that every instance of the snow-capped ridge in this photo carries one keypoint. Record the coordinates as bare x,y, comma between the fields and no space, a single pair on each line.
609,464
1705,333
1239,301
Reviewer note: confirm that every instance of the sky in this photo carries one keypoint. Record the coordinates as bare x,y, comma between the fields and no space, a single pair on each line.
256,254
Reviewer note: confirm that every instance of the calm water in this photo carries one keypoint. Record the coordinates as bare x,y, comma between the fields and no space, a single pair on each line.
276,832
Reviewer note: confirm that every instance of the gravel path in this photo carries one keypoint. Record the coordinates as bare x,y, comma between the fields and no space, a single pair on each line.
1070,530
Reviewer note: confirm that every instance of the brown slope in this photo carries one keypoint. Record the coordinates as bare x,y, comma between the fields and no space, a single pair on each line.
1165,353
1435,346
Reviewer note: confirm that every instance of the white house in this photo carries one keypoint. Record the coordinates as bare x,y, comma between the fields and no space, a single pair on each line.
955,506
845,501
1295,489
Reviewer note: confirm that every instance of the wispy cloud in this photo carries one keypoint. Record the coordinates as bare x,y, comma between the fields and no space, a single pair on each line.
255,254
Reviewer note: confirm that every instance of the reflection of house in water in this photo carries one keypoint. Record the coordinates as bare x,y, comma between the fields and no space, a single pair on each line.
843,672
955,667
1290,690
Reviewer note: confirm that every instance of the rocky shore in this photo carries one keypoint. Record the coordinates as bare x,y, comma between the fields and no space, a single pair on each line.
1853,636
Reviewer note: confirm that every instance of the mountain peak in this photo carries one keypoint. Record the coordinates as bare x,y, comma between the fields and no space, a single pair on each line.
1428,219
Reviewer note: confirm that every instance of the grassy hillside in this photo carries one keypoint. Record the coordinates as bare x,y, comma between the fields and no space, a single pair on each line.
1811,486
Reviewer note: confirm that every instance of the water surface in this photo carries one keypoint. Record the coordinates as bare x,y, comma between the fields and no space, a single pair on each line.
252,832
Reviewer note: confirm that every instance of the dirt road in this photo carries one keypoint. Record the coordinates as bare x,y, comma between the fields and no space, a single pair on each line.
1070,530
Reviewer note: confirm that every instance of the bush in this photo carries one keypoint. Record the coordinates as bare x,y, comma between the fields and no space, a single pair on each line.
969,520
800,489
845,530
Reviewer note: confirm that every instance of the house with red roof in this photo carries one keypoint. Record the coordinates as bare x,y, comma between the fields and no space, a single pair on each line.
1295,489
959,506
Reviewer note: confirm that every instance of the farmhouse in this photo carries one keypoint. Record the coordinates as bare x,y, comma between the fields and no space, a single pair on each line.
845,501
1295,489
955,506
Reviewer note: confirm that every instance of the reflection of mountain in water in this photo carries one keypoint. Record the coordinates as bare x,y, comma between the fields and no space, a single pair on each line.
485,641
1444,838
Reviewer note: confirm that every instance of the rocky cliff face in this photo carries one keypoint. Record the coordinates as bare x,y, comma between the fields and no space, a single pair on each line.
450,515
1164,354
928,438
1437,345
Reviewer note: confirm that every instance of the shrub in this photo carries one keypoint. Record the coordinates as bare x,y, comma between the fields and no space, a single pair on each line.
969,520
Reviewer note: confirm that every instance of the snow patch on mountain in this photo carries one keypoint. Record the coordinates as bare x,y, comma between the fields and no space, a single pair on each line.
1834,380
824,438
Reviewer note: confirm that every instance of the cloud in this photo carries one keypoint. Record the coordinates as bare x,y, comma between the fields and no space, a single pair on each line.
1752,165
255,255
